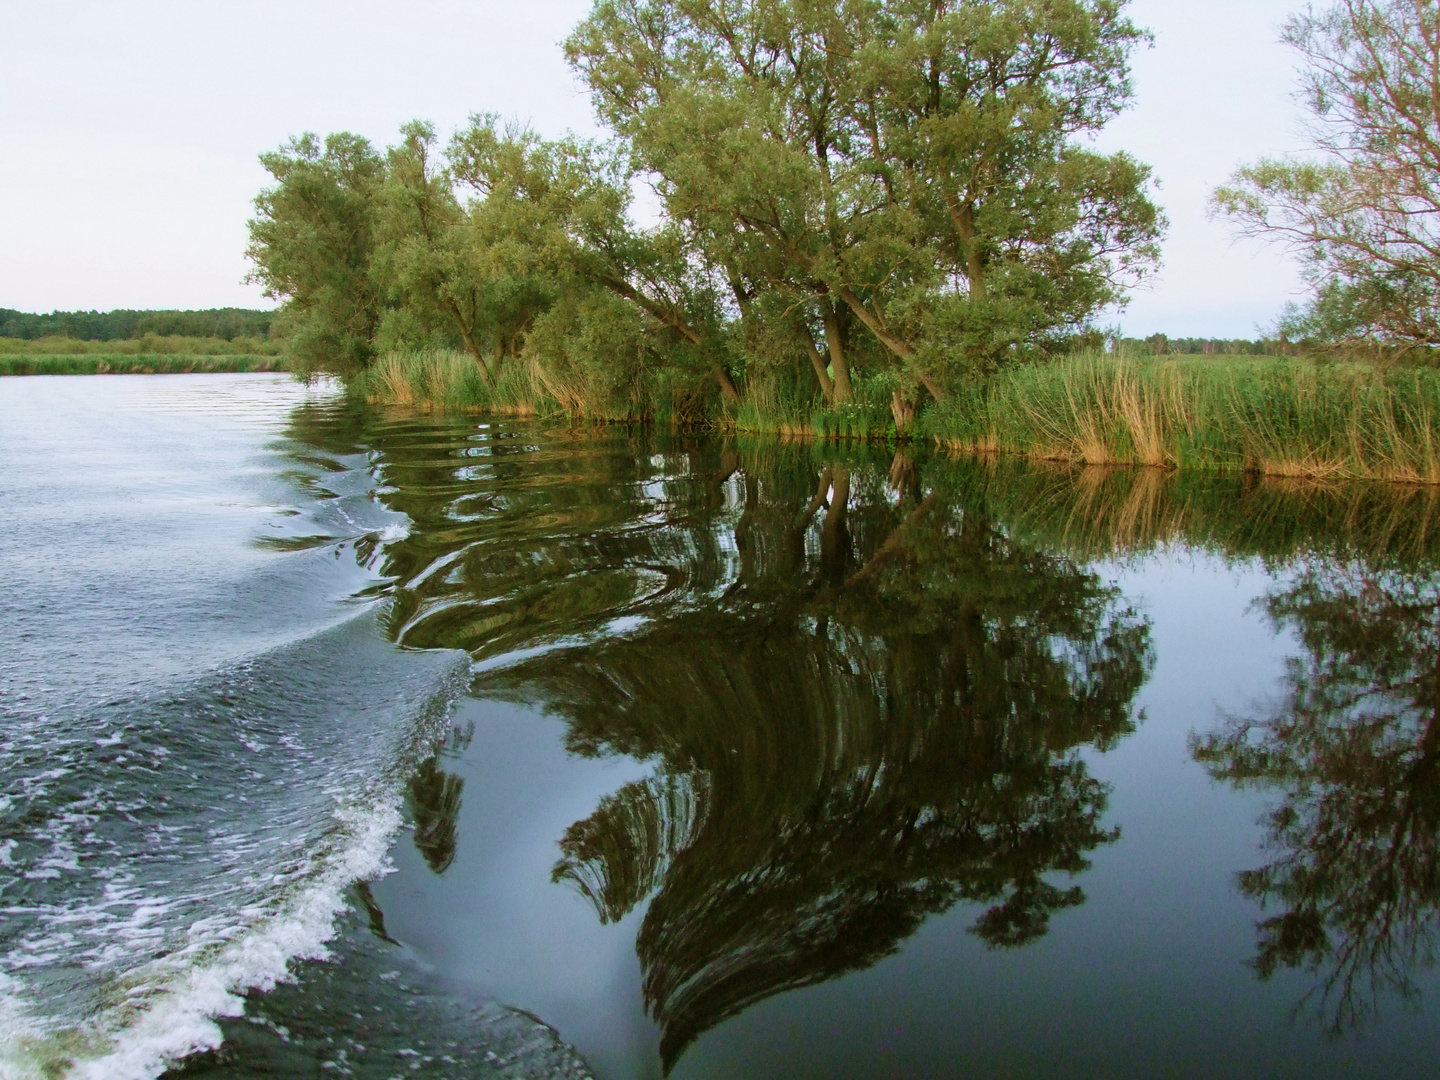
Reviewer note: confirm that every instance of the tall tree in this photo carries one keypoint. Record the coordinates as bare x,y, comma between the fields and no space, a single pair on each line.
554,216
313,241
903,166
1363,208
426,258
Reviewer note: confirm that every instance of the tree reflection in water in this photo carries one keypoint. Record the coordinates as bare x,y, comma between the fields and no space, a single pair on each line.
865,685
434,806
877,712
1354,752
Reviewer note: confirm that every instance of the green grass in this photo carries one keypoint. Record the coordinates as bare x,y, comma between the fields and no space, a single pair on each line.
148,345
1273,416
133,364
449,380
1276,416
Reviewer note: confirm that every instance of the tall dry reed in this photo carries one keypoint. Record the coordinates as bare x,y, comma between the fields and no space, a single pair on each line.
1274,416
448,379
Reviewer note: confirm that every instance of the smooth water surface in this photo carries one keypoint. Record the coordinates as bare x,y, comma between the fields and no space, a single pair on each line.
707,756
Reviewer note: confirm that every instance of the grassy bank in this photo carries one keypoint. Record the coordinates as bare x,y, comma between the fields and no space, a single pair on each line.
1277,416
147,345
132,364
1273,416
440,379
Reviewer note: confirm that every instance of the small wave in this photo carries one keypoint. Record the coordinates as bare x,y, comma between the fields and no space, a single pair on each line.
182,1002
240,874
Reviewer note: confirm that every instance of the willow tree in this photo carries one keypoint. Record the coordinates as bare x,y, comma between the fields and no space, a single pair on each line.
313,242
907,167
1363,208
426,258
554,216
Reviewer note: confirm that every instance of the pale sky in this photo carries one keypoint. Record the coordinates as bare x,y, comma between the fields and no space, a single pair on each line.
130,132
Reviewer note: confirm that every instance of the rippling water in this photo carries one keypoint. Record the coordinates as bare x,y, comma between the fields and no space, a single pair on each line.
706,756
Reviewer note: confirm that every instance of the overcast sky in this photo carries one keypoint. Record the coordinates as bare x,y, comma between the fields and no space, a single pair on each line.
130,132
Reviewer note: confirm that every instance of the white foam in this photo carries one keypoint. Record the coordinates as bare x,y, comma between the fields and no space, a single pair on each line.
180,1000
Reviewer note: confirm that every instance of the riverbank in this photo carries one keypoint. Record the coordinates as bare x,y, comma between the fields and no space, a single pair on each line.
1273,416
135,364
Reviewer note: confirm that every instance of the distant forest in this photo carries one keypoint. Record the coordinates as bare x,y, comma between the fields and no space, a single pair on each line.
1160,345
232,323
227,323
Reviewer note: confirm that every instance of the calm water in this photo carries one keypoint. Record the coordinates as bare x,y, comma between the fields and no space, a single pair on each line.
352,744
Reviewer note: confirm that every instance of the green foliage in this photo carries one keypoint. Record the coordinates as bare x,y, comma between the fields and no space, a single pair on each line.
504,238
313,240
900,171
449,379
876,188
150,344
432,285
593,355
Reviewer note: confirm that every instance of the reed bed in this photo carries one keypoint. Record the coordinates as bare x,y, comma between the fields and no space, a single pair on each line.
443,379
769,407
1273,416
135,364
148,345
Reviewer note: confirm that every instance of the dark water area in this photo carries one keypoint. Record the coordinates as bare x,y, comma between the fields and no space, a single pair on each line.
344,742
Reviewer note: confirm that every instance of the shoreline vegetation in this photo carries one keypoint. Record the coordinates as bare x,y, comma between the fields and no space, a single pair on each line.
1226,406
1316,419
139,342
880,220
1243,410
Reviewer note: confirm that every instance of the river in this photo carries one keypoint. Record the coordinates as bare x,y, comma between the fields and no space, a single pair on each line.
345,742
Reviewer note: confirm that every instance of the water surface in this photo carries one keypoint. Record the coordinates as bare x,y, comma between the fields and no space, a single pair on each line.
708,756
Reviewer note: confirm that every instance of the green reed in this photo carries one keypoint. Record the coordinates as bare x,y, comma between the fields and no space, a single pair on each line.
148,345
448,379
1277,416
1274,416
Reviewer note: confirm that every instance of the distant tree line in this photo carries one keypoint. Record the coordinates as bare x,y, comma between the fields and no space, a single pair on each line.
869,189
1162,345
226,323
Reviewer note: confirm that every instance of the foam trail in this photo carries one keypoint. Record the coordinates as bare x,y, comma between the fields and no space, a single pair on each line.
182,1022
204,732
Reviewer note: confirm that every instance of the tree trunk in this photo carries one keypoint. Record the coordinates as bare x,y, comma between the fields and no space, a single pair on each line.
727,384
672,319
470,344
817,362
902,407
899,346
835,338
